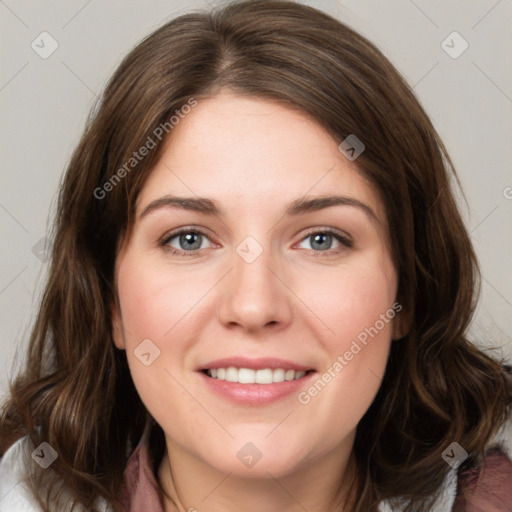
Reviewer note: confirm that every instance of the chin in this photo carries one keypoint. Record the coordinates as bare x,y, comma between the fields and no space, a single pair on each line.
247,459
264,468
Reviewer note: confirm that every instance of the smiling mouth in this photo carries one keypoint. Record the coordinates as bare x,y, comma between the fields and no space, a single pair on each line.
250,376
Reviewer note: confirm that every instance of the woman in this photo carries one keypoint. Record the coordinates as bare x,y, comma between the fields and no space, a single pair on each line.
259,292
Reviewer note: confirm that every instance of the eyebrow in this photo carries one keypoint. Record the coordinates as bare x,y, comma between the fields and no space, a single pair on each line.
297,207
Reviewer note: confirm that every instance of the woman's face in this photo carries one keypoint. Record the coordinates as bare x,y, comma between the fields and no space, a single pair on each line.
235,262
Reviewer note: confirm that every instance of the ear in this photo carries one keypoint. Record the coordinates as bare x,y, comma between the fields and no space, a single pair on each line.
401,324
117,325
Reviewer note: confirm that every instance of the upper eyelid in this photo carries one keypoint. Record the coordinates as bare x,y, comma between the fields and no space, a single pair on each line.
172,234
332,231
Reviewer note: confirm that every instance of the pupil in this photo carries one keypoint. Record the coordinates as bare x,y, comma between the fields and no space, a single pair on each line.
189,240
321,237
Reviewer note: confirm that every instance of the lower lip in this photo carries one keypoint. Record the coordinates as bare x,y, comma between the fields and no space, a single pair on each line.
255,394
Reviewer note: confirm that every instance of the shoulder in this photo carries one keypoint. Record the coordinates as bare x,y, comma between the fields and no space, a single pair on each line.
14,494
489,488
17,463
478,489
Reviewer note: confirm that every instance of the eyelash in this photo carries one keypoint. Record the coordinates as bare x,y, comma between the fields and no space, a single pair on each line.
345,241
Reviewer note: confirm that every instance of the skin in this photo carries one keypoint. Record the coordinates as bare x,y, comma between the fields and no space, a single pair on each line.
253,157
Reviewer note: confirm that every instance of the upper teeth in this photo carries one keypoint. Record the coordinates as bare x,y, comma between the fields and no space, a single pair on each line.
248,376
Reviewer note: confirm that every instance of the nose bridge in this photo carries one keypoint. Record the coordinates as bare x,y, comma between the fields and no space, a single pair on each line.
251,268
254,297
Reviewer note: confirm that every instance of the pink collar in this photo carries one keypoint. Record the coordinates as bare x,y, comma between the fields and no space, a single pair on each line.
140,491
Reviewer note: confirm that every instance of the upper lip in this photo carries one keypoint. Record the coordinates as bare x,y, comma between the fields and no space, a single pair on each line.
254,364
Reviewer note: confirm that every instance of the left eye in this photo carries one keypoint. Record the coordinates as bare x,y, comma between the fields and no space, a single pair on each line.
321,241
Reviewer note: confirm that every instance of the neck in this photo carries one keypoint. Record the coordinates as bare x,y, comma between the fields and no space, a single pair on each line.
198,486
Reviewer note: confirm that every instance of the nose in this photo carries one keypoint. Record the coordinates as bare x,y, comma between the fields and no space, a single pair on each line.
255,296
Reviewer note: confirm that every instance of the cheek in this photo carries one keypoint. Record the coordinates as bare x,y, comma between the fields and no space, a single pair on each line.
154,307
353,300
358,308
148,312
153,301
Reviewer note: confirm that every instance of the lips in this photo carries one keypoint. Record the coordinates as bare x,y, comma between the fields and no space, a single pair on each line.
254,381
255,364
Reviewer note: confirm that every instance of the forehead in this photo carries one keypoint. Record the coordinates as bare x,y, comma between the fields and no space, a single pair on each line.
245,152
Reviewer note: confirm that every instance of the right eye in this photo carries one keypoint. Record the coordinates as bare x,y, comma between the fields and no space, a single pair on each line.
184,242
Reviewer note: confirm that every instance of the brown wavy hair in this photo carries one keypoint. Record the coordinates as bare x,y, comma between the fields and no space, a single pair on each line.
75,390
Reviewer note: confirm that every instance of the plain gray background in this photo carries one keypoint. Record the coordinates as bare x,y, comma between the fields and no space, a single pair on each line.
44,104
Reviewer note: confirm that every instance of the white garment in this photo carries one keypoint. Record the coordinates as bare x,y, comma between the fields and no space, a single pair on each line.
14,494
